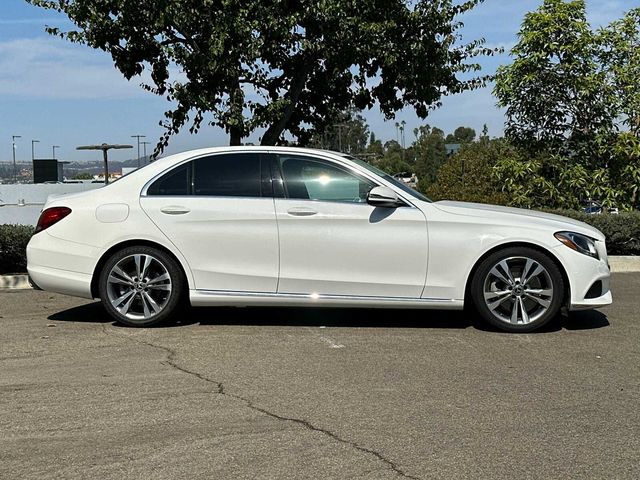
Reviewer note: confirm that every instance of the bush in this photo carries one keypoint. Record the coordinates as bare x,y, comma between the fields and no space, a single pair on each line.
622,231
467,176
13,248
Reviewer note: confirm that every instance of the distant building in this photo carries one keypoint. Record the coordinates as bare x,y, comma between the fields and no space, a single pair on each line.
452,148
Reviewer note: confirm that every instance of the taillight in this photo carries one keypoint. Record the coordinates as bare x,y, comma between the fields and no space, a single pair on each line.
51,216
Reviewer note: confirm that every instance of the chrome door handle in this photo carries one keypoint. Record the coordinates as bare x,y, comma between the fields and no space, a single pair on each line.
174,210
301,212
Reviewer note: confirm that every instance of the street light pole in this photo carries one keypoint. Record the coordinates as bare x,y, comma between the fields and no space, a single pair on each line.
13,147
33,149
53,147
138,137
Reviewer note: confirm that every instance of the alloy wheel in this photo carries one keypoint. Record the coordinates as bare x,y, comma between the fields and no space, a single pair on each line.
139,286
518,290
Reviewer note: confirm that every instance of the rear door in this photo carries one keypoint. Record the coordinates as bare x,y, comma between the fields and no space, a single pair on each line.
218,211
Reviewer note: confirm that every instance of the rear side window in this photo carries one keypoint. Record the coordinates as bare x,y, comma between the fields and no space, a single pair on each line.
232,175
229,175
176,182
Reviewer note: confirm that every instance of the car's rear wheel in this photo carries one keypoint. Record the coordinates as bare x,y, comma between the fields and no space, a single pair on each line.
518,289
141,286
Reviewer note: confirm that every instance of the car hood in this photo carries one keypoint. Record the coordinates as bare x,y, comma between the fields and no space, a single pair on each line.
531,218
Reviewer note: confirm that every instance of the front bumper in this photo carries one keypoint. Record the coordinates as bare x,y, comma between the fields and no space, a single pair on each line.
583,273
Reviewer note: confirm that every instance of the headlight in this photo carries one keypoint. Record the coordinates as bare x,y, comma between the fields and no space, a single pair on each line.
579,243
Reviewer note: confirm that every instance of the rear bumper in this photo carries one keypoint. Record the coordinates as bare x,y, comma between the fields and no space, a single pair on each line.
61,281
61,266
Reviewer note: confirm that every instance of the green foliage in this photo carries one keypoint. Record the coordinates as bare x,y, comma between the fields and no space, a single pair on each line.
281,65
565,91
13,248
555,91
467,176
83,176
622,231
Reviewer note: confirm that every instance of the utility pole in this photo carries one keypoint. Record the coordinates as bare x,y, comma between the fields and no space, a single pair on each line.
13,147
138,137
33,149
339,126
53,147
105,148
144,149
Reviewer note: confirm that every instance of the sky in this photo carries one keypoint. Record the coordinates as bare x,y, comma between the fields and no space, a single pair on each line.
69,95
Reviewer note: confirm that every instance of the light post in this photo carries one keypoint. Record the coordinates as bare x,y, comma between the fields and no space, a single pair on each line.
105,148
53,147
138,137
33,149
13,147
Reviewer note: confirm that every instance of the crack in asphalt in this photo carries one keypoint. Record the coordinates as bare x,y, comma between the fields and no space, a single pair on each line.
219,389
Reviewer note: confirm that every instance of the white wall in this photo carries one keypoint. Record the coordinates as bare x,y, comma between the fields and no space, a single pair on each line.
21,204
37,193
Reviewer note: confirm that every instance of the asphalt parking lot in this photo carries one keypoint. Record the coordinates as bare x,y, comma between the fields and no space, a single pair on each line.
317,394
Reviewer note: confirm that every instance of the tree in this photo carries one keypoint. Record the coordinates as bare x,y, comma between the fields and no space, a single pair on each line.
280,65
468,175
566,93
621,59
348,133
461,135
430,154
555,91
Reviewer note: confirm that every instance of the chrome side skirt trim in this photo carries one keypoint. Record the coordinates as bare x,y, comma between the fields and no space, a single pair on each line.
228,298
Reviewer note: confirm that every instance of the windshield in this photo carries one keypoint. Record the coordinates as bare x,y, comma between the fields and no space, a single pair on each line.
401,185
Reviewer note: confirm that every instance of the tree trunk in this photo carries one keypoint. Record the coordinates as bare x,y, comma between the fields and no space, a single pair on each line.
235,136
272,135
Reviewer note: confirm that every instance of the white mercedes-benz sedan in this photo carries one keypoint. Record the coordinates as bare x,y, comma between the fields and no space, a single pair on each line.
245,226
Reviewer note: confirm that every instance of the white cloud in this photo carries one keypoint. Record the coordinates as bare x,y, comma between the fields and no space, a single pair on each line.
49,68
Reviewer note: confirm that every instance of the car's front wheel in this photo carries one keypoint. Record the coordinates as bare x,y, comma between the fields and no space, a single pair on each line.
141,286
518,289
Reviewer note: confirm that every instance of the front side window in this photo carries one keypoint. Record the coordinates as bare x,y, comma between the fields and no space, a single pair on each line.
314,179
226,175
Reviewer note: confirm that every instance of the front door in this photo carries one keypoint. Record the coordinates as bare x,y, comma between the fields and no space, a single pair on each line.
333,242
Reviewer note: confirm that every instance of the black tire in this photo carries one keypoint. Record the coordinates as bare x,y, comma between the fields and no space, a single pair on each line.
169,302
485,280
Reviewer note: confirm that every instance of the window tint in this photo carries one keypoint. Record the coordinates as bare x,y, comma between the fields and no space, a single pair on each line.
231,175
312,179
176,182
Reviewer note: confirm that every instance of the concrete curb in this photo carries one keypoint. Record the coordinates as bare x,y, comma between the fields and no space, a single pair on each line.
619,264
14,282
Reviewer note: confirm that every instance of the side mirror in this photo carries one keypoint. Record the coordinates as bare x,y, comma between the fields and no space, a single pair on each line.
384,197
